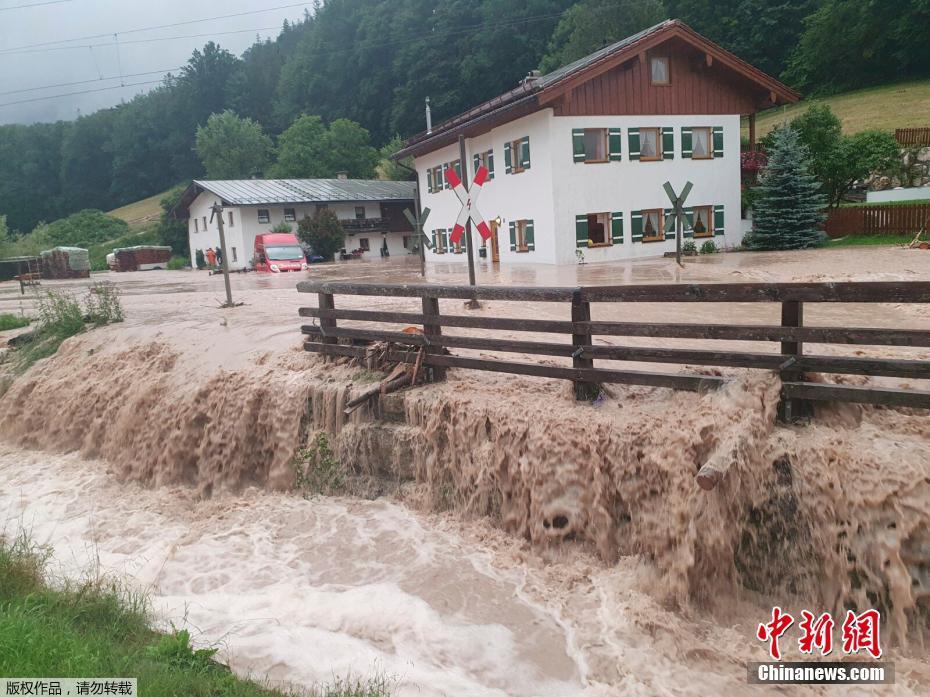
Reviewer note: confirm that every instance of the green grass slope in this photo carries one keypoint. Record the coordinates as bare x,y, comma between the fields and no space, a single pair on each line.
140,213
900,105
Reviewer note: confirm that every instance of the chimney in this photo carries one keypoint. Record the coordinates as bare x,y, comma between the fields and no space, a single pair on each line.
342,175
429,118
532,77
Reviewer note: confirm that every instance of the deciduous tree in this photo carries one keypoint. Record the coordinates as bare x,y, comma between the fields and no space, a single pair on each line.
233,148
323,232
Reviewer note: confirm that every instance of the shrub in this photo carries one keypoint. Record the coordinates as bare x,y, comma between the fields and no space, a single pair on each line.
102,304
317,471
177,263
200,259
8,321
283,226
323,232
688,247
709,247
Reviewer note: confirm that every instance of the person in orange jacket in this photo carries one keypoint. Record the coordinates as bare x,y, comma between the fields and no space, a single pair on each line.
211,257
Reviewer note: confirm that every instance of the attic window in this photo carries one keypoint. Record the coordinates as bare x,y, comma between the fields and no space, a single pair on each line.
658,66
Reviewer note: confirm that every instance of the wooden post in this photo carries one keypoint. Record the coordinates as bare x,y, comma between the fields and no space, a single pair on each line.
325,301
431,309
581,312
792,315
218,212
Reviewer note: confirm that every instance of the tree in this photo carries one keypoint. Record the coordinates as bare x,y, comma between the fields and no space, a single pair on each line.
390,170
789,205
592,24
300,150
323,232
170,231
881,42
838,160
232,148
309,149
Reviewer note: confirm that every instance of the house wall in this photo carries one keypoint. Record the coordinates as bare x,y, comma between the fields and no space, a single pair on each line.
694,88
556,189
526,195
631,185
246,227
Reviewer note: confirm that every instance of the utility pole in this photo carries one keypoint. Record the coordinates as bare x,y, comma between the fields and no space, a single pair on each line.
469,242
218,212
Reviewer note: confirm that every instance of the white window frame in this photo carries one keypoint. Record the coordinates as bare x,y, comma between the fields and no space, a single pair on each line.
266,218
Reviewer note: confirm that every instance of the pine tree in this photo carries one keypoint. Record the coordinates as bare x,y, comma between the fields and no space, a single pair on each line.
789,204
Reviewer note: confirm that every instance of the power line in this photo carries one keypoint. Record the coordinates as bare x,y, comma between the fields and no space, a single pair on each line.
72,94
137,41
35,4
160,26
84,82
329,51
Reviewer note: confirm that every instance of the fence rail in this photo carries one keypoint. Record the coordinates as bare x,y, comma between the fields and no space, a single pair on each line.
884,219
790,362
910,137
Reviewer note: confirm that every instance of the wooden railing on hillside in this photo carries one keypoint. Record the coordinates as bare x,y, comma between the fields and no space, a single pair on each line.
791,362
912,137
878,219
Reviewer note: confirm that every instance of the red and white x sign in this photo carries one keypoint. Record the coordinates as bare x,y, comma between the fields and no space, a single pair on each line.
469,200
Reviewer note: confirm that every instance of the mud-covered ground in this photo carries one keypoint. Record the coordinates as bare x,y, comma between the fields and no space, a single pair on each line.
187,417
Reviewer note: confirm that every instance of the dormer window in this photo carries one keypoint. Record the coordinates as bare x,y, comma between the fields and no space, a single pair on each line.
658,66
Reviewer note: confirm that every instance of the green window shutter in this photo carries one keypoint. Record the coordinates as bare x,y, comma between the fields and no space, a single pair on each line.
465,240
636,225
508,159
476,162
525,151
445,183
718,141
688,230
490,164
444,236
614,144
513,236
429,180
530,236
669,224
633,137
581,230
616,228
457,166
578,144
668,143
718,220
434,239
686,142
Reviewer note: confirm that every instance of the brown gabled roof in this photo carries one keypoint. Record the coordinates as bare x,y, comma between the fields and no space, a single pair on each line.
536,93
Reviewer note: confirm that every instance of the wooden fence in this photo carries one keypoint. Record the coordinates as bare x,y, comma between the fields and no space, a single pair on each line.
883,219
912,137
791,362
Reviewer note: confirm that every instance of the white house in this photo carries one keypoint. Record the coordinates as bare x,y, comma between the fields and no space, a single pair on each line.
578,157
371,212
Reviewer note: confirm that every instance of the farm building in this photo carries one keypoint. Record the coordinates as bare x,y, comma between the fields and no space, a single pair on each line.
577,158
371,212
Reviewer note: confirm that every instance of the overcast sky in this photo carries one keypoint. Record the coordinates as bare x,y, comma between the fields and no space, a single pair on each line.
24,66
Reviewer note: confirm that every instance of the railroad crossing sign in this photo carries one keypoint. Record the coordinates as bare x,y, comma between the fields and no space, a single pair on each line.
469,199
676,218
418,223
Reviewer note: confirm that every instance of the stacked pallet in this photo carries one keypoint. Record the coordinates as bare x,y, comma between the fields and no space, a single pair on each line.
65,262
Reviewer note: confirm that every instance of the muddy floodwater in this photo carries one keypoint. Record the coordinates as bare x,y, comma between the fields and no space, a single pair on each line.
161,451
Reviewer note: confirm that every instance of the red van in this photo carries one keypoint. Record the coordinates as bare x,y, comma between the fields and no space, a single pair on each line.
278,252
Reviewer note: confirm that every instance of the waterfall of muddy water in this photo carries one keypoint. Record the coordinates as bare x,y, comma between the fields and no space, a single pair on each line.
528,544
